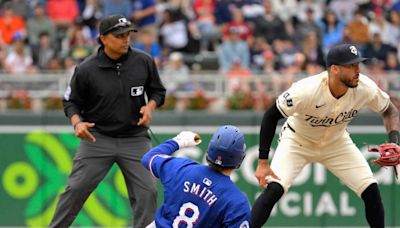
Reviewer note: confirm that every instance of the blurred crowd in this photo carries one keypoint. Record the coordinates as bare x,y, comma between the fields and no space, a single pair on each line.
247,37
279,39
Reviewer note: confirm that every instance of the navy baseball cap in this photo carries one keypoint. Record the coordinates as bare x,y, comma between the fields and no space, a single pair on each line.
115,24
343,54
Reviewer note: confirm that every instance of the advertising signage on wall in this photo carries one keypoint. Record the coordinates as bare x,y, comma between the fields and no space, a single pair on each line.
35,164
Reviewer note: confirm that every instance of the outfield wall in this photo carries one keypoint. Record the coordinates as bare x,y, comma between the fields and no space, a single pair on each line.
36,158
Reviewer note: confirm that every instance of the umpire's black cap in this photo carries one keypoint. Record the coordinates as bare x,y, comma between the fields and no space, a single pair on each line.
343,54
115,24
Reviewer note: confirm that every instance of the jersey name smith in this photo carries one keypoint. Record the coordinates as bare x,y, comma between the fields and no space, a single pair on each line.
200,191
342,117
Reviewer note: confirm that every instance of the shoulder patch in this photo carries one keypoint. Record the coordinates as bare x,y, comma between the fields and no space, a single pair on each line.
289,101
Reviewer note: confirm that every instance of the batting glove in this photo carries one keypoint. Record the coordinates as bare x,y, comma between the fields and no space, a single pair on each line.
187,139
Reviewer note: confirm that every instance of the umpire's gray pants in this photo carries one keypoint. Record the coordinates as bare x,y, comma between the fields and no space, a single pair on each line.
92,161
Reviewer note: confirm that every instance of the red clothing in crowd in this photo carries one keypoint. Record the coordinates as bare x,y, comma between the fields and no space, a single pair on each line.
9,26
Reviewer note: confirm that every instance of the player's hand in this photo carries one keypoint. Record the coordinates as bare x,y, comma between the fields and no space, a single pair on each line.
146,112
264,173
187,139
81,131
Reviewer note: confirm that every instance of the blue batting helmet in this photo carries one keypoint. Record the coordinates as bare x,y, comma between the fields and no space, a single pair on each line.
227,147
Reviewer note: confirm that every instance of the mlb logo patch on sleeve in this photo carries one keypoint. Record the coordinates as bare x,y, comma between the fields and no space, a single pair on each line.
137,91
289,101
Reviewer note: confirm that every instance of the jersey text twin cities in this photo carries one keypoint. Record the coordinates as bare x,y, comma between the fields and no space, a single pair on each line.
343,117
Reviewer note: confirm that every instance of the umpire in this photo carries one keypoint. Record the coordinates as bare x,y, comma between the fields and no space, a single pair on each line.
110,101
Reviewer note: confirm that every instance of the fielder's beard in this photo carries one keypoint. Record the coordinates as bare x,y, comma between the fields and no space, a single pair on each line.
348,82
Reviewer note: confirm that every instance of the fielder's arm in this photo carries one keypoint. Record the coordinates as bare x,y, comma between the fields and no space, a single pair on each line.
267,133
392,122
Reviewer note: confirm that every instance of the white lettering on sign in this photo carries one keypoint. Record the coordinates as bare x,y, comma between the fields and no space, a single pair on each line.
345,208
307,204
326,205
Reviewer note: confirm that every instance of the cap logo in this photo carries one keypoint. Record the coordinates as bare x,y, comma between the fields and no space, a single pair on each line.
218,161
122,20
353,50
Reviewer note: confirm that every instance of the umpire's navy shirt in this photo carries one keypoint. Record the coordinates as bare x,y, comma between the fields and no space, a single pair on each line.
110,93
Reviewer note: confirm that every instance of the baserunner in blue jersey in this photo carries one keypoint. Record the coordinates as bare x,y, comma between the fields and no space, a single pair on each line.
198,195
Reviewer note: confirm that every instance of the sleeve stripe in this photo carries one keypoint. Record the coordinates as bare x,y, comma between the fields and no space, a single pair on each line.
280,110
151,170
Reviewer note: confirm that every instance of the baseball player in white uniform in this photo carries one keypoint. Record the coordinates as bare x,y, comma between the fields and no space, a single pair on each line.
318,110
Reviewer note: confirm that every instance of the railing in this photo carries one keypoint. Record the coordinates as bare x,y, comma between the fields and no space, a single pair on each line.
212,84
35,85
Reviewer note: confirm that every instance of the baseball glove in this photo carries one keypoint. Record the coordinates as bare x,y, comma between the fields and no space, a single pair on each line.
389,155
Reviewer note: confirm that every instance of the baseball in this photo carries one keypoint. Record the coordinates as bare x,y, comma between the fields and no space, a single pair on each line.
197,138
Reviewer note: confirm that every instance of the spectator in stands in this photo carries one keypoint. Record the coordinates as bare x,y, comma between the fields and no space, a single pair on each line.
69,65
176,74
286,9
358,29
244,30
19,59
147,43
54,66
269,25
316,6
80,48
376,49
144,14
233,49
238,76
62,12
113,7
20,8
343,9
303,28
312,69
39,23
269,62
174,34
394,19
286,51
91,15
389,33
392,62
43,52
312,49
332,30
288,61
348,39
205,21
222,12
375,70
258,47
10,25
3,55
184,6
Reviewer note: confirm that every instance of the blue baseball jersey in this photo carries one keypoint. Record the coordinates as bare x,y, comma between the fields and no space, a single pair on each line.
197,196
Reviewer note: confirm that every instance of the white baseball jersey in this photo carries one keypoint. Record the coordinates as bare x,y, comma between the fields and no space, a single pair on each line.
317,116
315,130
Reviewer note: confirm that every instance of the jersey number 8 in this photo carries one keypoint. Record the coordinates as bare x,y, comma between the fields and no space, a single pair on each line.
183,218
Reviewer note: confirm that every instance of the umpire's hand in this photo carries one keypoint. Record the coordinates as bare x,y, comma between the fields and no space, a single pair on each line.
81,131
147,113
